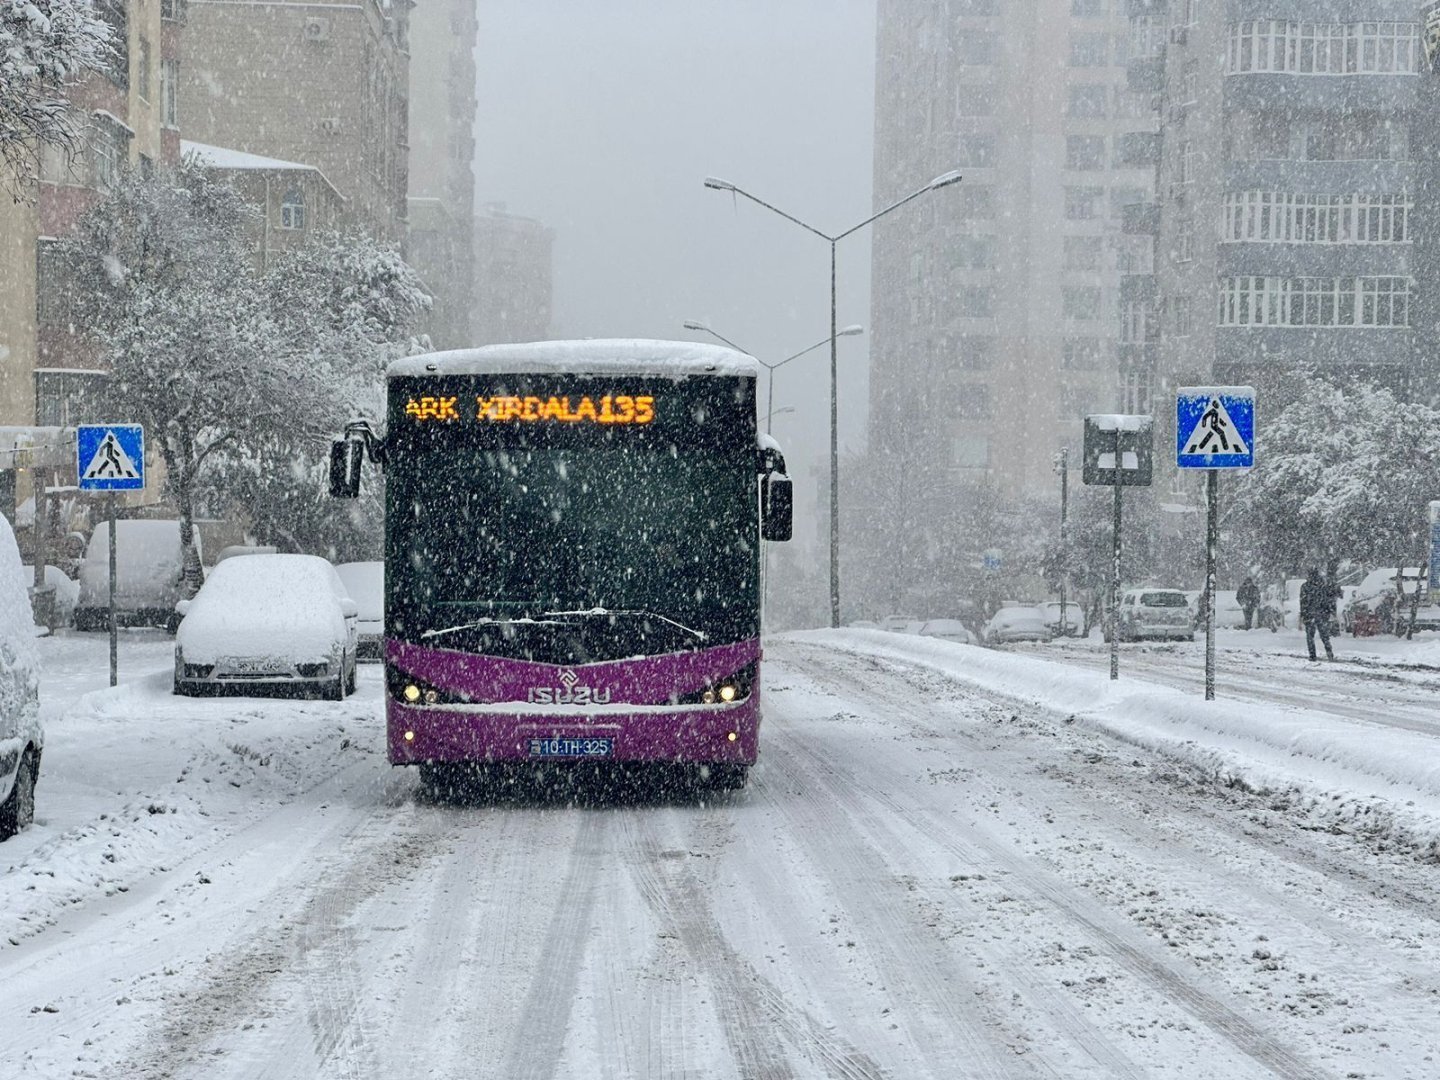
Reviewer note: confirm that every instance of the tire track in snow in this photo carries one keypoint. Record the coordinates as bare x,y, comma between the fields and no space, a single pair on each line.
1127,946
537,1042
751,1007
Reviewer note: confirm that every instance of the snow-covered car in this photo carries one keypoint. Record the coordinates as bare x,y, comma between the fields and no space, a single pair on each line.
1050,611
864,624
898,622
365,582
273,622
1023,622
1154,613
148,565
1380,585
66,589
22,738
948,630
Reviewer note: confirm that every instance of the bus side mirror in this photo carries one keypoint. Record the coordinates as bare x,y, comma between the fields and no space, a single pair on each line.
346,456
778,504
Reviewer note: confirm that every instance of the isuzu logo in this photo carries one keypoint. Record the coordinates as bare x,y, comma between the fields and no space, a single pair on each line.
569,693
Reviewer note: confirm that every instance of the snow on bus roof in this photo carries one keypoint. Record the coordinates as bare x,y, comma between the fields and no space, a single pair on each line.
599,356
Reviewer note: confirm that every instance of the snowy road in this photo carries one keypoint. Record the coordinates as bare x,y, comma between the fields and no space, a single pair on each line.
925,879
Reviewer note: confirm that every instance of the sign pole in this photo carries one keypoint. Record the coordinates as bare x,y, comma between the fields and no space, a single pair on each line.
1212,537
1064,544
1113,618
114,639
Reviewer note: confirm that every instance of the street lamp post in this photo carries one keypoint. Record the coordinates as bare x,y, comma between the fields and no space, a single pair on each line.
943,180
848,331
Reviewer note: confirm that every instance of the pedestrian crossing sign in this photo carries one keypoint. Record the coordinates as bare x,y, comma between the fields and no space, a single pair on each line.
110,457
1215,427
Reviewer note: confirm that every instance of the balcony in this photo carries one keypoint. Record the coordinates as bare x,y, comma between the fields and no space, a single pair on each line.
1289,92
1137,288
1140,219
1146,74
1317,346
1138,149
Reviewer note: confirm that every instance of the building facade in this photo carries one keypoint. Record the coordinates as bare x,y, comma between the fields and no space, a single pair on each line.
442,152
1000,306
322,83
1286,183
513,277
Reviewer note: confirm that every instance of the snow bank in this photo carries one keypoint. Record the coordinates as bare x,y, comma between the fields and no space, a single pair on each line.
1382,780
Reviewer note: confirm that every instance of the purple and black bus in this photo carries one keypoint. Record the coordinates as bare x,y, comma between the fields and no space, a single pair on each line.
572,555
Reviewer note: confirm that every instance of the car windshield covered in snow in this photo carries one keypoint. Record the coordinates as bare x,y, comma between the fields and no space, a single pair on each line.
1164,598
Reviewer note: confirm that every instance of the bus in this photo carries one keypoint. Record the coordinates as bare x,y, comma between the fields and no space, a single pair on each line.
573,537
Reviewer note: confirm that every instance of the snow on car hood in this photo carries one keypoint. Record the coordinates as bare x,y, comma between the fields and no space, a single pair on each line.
265,606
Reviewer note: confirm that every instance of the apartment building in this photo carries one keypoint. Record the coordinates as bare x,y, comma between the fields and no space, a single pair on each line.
1287,179
513,277
323,83
127,117
1000,305
442,151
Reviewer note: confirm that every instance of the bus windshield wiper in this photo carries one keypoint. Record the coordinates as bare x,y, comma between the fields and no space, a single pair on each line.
479,624
637,613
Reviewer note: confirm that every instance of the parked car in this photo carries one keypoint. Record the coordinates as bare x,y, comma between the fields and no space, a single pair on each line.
1154,613
948,630
230,551
1050,612
67,591
22,738
1373,602
1229,615
148,565
273,622
897,622
1023,622
365,582
864,624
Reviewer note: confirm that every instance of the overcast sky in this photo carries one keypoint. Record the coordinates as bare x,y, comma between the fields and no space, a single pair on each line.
602,119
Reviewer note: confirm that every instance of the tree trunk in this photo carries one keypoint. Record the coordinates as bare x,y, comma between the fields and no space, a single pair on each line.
1414,603
181,470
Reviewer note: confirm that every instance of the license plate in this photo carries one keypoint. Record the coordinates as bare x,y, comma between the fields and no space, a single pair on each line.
571,748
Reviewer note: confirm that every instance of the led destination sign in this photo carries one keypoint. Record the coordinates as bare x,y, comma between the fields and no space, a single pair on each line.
607,409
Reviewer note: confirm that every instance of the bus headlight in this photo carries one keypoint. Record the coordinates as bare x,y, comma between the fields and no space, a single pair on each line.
411,693
727,692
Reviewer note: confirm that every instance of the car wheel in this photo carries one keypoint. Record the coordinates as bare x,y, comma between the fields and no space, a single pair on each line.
336,690
19,809
350,680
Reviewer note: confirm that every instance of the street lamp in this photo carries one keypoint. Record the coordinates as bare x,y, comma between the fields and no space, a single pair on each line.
943,180
847,331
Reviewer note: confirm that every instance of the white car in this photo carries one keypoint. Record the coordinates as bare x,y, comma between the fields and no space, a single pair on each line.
1024,622
898,623
22,738
948,630
147,574
1154,613
273,622
1050,610
365,582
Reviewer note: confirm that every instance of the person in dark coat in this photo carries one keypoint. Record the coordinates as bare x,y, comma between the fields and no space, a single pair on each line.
1248,597
1317,608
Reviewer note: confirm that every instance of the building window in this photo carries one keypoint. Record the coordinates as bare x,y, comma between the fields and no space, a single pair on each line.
1087,101
1135,390
1089,50
1147,37
1082,353
1080,303
972,451
1381,301
973,402
1082,203
174,10
977,202
106,158
292,210
975,99
976,48
142,69
1087,9
1313,48
1138,324
1181,321
117,69
1085,153
169,89
1133,254
975,301
1084,253
975,253
976,151
1293,218
1184,242
971,353
64,398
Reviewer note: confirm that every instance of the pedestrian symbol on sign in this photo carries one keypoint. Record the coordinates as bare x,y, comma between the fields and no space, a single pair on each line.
1215,433
110,461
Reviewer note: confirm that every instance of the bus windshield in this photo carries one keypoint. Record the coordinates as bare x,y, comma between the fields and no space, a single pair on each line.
503,540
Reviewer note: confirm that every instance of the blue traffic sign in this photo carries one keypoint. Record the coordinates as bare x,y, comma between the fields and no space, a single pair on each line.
1215,427
110,457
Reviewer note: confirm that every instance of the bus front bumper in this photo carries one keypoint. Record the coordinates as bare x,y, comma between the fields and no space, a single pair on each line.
686,734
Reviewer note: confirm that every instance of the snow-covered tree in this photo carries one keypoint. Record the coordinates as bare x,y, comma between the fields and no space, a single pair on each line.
1344,473
163,281
45,45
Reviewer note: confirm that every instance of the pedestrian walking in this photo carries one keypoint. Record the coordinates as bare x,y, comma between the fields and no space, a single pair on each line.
1317,608
1248,597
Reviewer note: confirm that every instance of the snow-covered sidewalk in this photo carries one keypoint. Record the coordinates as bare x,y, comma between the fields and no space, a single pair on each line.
1372,778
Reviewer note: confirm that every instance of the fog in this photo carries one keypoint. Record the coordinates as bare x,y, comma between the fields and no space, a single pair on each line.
602,120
